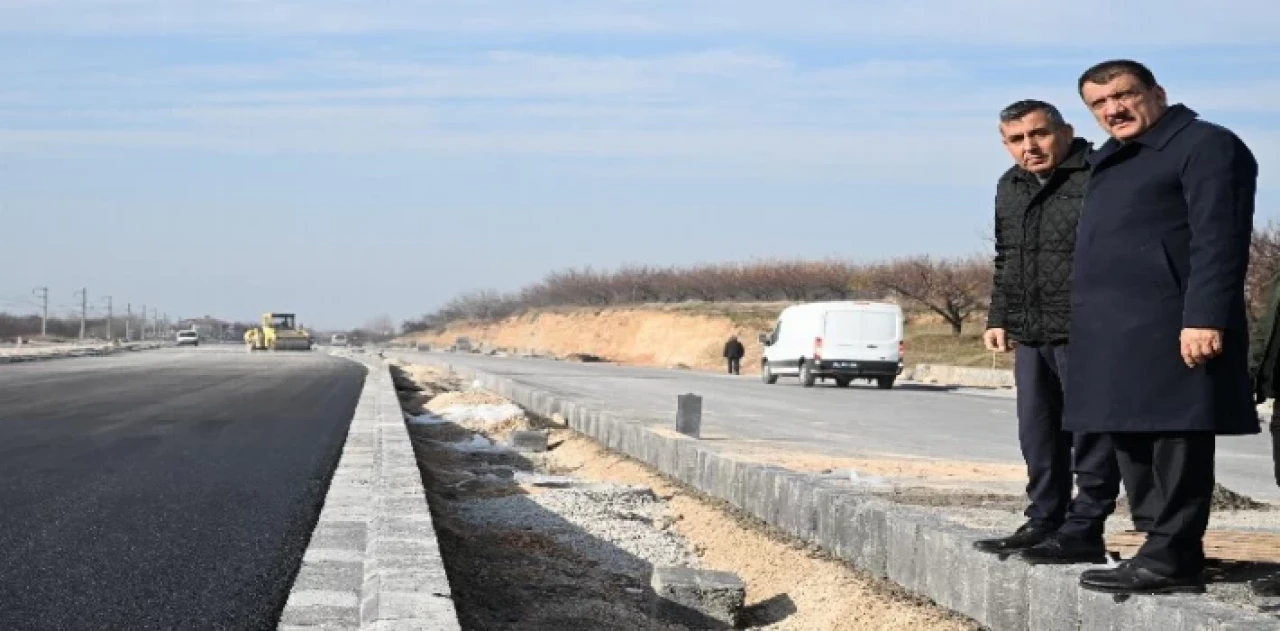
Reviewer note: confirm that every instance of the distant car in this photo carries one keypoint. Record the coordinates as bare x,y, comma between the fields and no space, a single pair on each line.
338,340
188,338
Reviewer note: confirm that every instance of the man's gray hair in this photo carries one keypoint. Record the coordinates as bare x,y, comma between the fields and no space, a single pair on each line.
1019,110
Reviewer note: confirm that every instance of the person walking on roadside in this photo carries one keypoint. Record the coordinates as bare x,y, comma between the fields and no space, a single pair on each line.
734,351
1037,208
1264,364
1159,336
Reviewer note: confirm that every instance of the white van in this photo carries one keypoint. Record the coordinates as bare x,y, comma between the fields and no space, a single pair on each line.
841,341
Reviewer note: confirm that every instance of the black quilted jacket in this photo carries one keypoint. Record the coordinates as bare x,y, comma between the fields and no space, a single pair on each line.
1035,232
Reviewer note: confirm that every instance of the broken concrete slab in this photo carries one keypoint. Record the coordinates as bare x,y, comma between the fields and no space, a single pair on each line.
697,597
528,441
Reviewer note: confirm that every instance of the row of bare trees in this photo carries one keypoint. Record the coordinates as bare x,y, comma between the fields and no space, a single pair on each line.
14,326
956,289
952,288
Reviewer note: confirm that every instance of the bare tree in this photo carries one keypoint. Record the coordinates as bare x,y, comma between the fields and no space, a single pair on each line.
953,288
381,327
1264,263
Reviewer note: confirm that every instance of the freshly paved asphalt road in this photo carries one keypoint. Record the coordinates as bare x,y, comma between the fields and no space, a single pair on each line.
169,489
861,421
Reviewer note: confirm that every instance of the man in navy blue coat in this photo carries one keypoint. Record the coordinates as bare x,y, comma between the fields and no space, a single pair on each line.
1159,339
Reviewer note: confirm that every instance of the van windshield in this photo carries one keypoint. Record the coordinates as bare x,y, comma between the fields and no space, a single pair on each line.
869,326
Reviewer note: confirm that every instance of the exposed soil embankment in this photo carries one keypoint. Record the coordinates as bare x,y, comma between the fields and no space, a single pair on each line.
667,337
686,336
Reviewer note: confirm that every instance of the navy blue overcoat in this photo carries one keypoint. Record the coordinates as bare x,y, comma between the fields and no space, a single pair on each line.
1163,244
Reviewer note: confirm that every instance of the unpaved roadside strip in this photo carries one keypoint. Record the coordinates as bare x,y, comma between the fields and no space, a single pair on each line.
912,546
373,561
575,550
46,353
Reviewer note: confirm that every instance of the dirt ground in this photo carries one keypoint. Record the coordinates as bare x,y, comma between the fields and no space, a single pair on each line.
905,469
524,579
516,578
788,588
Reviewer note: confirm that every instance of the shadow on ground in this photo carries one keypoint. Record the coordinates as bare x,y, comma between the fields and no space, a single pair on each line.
514,564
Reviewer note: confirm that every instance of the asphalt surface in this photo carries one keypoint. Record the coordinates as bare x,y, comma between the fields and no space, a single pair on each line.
169,489
914,420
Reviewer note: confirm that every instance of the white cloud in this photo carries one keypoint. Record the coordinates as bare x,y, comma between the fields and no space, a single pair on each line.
720,108
752,107
1085,23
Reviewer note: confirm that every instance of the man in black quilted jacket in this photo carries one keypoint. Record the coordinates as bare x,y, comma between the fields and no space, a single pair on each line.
1037,208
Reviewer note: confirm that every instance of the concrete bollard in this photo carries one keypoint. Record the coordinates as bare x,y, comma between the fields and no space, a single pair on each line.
689,415
529,441
701,599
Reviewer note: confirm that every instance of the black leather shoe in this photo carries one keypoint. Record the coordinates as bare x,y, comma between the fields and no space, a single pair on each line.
1065,549
1025,536
1130,578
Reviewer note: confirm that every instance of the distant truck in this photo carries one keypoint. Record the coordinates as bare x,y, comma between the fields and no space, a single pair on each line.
838,340
461,345
338,339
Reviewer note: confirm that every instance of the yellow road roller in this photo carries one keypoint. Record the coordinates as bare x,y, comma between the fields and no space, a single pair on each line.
277,332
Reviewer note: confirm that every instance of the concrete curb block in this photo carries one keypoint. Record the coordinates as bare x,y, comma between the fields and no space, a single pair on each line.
908,545
961,376
373,561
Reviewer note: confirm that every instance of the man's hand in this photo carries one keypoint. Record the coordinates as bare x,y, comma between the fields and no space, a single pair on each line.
1200,345
996,340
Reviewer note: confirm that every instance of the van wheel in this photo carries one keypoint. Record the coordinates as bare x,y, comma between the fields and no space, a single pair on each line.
843,382
885,383
766,374
806,376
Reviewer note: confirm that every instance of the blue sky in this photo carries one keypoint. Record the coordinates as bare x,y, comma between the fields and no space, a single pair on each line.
349,159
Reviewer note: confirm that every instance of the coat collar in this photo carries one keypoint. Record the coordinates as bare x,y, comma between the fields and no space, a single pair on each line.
1174,120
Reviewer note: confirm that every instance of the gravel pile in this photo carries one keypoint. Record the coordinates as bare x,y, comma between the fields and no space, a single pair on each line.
625,529
469,398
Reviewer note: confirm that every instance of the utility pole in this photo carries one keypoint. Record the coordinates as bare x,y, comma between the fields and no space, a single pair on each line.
84,308
43,294
142,324
128,319
110,336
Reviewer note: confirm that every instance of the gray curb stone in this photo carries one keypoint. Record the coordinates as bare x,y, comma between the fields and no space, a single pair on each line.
908,545
373,561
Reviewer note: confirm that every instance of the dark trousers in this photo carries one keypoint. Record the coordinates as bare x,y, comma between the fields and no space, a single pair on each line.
735,365
1173,472
1274,426
1052,454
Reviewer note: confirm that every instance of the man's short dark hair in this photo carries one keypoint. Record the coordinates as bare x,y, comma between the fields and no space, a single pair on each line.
1106,71
1020,109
